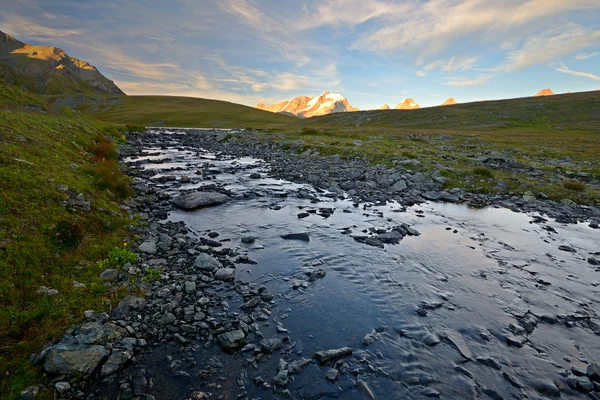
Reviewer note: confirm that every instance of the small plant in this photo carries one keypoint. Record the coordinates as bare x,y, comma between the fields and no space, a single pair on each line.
574,185
69,233
309,131
121,139
117,258
482,171
153,274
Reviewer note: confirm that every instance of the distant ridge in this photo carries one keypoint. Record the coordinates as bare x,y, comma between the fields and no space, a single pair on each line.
49,70
384,107
306,107
407,104
449,102
545,92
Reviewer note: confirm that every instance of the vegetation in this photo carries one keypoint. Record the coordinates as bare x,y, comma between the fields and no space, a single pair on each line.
184,112
572,185
48,162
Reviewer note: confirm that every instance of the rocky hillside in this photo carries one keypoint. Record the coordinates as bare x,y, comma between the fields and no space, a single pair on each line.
408,104
449,102
49,70
545,92
306,107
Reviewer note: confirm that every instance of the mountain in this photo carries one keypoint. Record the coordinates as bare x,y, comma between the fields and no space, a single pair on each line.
449,102
545,92
49,70
306,107
408,104
384,107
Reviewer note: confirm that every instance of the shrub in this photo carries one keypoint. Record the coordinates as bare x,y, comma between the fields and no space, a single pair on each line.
103,149
109,176
574,185
482,171
134,128
309,131
69,234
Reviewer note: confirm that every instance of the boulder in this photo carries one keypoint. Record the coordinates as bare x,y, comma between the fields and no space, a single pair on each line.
230,341
225,274
71,358
206,262
127,305
192,201
117,359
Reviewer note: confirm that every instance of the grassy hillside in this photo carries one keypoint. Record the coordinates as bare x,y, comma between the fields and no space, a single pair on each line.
187,112
51,164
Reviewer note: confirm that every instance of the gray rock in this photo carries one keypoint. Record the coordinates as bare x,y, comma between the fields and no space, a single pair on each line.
110,275
127,306
431,339
249,239
370,337
433,196
593,372
457,340
297,236
69,358
567,248
490,362
328,355
167,318
116,360
593,261
62,386
221,137
230,341
148,247
297,366
399,186
255,175
270,345
29,393
281,379
365,389
225,274
46,291
206,262
192,201
102,334
190,286
332,374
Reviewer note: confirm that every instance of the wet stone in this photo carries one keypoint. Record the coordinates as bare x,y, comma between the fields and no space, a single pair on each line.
225,274
297,236
329,355
231,340
332,374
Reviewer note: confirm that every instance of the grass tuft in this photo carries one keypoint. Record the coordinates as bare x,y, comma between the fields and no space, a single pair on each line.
482,171
574,185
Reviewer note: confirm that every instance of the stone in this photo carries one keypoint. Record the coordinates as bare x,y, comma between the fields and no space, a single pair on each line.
193,201
46,291
225,274
324,356
303,215
457,340
593,372
490,362
62,386
332,374
230,341
281,379
148,247
593,261
255,175
297,366
433,196
270,345
189,286
206,262
431,339
567,248
115,361
69,358
364,388
167,318
127,306
297,236
29,393
370,337
248,239
110,275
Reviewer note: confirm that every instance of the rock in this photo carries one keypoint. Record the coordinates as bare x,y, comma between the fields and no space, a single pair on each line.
431,339
297,236
69,358
297,366
78,285
110,275
433,196
127,305
593,261
374,242
206,262
568,249
249,239
29,393
167,318
281,379
62,386
255,175
593,372
303,215
192,201
46,291
365,389
332,374
148,247
457,340
393,237
189,286
584,384
328,355
490,362
225,274
116,360
231,341
370,337
270,345
399,186
221,137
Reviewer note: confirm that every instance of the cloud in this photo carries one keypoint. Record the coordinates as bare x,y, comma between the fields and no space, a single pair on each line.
452,64
584,56
19,26
551,45
461,81
421,73
563,68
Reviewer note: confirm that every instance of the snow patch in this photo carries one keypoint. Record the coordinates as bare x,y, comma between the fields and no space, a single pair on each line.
335,97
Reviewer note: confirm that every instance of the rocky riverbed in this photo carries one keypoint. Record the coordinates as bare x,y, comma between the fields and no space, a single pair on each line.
270,274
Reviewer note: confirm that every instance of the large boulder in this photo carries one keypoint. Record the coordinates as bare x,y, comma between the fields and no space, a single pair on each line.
230,341
192,201
206,262
71,358
127,305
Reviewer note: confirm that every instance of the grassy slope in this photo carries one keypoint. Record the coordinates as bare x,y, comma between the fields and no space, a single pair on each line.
41,240
188,112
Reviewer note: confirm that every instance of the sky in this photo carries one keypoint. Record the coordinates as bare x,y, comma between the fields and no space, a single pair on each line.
371,51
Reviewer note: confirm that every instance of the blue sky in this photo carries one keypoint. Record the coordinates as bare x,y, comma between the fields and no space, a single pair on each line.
371,51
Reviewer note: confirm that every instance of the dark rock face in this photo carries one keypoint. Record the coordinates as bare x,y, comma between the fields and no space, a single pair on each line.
192,201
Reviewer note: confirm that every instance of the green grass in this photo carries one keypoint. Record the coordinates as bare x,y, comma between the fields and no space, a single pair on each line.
41,240
185,112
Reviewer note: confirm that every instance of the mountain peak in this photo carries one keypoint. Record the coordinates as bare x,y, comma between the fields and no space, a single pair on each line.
306,107
545,92
449,102
49,70
384,107
407,104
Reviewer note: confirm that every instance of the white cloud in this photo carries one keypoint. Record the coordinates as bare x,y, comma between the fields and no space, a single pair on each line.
452,64
563,68
584,56
551,45
421,73
462,81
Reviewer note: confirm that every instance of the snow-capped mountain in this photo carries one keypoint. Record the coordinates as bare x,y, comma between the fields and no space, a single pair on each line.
449,102
384,107
544,92
408,104
306,107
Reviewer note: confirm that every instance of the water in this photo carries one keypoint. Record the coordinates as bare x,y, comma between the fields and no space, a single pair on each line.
477,272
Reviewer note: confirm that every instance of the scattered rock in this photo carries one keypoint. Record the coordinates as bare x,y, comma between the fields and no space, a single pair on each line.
70,358
225,274
230,341
297,236
328,355
192,201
